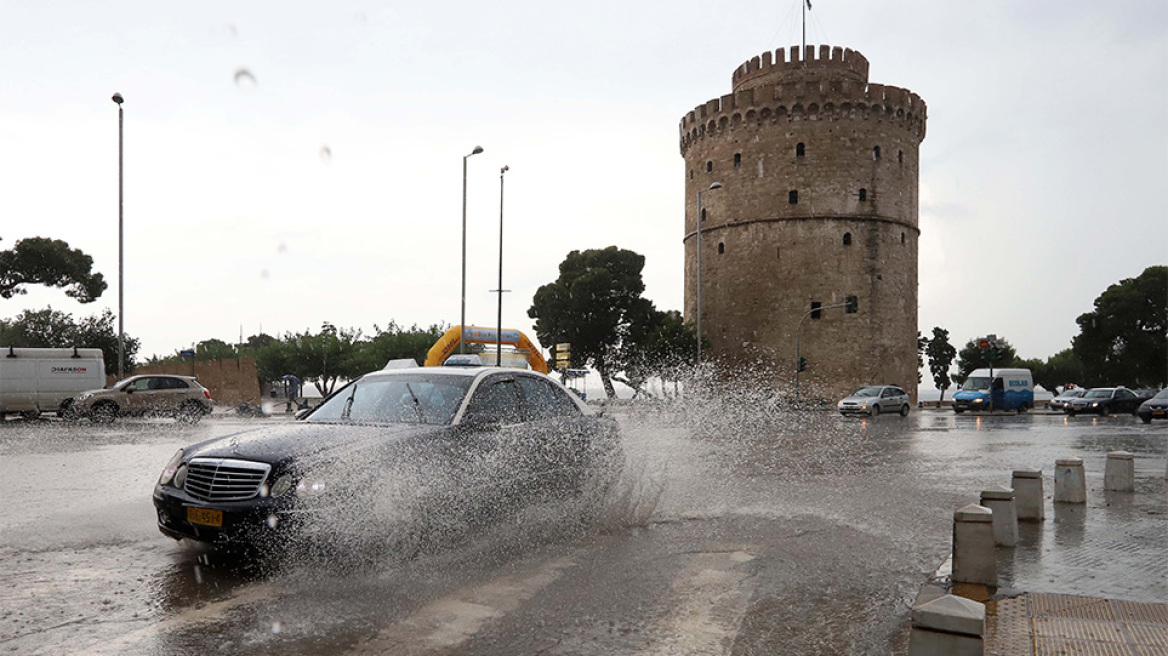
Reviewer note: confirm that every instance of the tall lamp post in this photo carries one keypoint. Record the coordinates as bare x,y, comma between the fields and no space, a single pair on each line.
117,98
499,323
716,185
462,314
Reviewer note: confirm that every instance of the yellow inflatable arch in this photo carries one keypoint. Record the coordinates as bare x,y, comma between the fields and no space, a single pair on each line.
446,345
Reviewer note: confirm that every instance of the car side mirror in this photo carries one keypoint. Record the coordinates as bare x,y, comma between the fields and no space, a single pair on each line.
129,390
302,413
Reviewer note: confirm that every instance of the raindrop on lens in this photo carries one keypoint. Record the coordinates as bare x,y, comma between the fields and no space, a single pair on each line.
273,521
198,575
264,274
326,154
264,491
244,78
277,627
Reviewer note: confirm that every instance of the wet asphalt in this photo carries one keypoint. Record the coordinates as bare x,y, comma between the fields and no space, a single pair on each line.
732,532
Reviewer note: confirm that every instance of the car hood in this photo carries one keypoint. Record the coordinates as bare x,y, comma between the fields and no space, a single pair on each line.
306,441
859,399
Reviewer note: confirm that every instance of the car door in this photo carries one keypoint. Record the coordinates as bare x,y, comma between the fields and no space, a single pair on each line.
488,453
136,395
1125,401
557,434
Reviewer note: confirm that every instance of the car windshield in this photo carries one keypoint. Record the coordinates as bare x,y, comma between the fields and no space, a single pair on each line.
868,391
1162,394
1072,394
976,383
1098,394
413,398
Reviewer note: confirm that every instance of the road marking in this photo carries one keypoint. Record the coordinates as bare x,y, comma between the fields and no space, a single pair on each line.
452,620
707,601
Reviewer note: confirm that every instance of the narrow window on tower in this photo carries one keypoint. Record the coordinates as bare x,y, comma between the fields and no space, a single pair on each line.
815,311
721,248
710,167
778,253
793,197
703,219
737,160
863,194
691,174
902,237
900,157
876,152
847,239
800,150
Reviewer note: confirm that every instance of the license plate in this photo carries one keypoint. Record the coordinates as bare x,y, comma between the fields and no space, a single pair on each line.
205,516
1160,413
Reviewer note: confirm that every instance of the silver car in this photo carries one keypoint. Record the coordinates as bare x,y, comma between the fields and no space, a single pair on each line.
873,399
1061,401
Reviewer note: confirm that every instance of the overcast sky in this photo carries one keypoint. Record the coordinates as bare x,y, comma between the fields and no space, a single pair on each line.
330,188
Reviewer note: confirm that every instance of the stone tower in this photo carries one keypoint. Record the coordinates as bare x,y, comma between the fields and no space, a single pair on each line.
819,172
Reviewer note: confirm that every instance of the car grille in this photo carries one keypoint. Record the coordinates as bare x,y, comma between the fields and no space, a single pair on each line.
223,479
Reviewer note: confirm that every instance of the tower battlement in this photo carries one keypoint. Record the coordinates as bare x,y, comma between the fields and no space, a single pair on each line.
833,63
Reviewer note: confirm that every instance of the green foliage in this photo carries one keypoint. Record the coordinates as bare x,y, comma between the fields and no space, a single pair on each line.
1125,339
941,355
922,344
596,305
41,261
663,346
396,343
215,349
1059,370
971,357
50,328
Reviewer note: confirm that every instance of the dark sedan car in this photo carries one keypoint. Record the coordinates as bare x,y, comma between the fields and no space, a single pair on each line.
394,447
1154,408
1105,401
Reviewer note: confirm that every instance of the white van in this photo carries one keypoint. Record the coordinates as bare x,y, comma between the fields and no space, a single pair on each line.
36,380
996,389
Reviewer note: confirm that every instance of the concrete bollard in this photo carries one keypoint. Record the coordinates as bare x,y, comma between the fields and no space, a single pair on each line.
974,560
947,626
1001,501
1120,473
1027,484
1070,483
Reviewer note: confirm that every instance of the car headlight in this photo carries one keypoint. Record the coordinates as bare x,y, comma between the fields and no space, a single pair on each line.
171,468
977,400
84,397
180,477
310,486
281,486
1095,404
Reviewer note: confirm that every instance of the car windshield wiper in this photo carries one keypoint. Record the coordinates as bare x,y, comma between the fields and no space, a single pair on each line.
417,404
349,403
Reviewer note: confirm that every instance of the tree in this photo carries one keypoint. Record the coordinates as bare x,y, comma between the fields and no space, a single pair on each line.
971,357
941,354
395,343
596,305
214,349
1125,339
922,344
41,261
1059,370
50,328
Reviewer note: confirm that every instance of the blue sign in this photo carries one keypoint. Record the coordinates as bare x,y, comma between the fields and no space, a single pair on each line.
187,353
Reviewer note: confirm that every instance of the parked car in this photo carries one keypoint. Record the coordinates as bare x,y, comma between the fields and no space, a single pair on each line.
873,399
159,395
1154,408
1104,401
1059,403
393,447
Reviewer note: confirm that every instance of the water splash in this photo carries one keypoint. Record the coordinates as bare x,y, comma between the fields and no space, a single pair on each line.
244,78
326,154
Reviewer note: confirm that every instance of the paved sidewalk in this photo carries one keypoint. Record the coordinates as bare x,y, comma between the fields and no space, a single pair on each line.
1043,624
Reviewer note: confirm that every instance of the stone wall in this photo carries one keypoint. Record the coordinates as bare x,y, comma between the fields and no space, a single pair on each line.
819,201
230,381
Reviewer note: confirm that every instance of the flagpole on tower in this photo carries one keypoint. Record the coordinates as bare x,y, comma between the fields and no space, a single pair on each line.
806,5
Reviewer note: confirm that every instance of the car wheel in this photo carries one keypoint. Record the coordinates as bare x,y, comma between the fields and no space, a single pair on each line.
104,413
67,410
1104,411
957,410
189,413
904,410
874,410
1022,409
1147,419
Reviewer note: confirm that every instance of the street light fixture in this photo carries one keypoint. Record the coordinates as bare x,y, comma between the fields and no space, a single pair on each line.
499,324
462,314
117,98
716,185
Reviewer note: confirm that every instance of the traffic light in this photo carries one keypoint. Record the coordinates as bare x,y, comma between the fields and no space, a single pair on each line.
852,304
802,363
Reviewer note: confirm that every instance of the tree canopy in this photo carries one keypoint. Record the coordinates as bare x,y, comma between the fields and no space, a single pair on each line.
51,328
1125,339
596,305
972,357
50,262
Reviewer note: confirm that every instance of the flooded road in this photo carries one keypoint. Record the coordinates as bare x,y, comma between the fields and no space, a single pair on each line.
802,533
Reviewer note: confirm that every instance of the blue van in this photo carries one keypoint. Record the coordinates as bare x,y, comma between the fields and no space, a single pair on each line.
996,389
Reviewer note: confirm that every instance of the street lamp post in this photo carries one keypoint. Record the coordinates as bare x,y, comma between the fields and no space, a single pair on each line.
716,185
499,323
117,98
462,313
